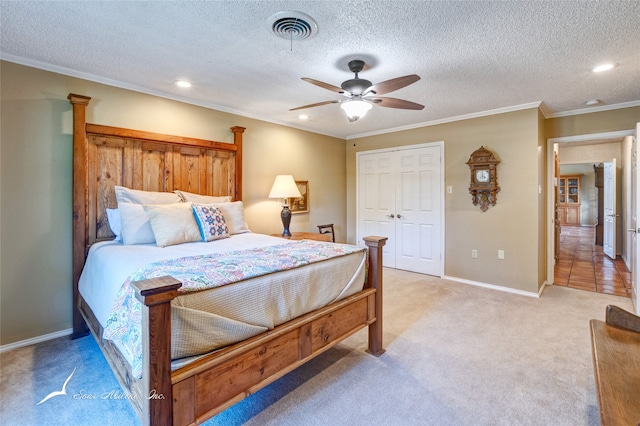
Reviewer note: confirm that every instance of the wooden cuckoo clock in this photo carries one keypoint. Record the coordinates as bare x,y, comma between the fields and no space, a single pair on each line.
484,178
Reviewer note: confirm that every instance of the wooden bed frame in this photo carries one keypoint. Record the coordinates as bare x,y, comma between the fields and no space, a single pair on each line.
107,156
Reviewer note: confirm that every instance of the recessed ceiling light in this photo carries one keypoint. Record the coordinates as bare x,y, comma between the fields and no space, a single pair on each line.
183,83
592,102
603,67
303,116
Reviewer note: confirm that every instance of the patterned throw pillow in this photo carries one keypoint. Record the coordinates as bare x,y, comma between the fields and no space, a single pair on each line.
211,222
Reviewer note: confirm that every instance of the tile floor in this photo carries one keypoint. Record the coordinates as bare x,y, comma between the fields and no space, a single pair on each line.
584,266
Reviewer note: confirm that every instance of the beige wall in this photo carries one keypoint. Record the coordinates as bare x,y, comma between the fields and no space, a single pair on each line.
574,154
519,222
597,122
35,184
512,225
36,178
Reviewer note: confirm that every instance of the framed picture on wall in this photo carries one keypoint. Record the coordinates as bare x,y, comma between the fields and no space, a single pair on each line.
300,205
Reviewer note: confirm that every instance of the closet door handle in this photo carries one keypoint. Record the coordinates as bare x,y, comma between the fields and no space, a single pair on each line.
391,215
399,216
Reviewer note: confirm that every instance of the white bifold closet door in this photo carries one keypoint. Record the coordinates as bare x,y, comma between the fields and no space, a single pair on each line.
400,196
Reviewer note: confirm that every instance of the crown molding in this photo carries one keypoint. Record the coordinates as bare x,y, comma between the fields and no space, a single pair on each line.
450,119
593,109
544,110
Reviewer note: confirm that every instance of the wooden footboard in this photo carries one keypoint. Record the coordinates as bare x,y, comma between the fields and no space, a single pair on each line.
213,383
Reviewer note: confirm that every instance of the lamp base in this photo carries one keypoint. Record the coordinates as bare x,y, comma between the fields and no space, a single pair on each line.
286,220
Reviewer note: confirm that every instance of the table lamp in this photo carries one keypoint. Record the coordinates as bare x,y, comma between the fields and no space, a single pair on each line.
285,187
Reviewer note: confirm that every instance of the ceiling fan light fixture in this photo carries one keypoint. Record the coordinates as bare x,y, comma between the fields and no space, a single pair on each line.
359,93
355,109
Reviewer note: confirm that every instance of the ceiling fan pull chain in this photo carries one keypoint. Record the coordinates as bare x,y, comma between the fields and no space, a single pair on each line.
291,33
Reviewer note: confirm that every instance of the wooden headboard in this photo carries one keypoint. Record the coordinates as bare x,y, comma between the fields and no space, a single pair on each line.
107,156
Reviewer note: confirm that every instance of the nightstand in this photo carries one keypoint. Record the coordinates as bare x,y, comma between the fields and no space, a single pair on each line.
306,236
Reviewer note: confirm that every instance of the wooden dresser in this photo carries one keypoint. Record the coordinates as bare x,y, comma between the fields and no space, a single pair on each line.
615,344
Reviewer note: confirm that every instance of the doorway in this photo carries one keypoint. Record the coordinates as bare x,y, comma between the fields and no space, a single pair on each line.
581,262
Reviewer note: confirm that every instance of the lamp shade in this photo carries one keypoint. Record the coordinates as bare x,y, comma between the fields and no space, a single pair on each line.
284,187
355,109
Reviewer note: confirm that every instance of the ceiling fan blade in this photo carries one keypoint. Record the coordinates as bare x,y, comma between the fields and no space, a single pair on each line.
324,85
315,105
395,103
393,84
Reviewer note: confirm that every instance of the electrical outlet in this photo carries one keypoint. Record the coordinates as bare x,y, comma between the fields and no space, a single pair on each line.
500,254
474,254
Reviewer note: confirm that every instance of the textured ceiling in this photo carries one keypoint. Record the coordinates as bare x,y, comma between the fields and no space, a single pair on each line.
472,57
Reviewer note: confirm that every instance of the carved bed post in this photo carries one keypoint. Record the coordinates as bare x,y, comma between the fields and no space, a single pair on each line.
237,140
374,280
156,295
80,224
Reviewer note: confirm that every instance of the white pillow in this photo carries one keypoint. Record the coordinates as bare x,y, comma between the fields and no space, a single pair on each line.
234,217
202,199
113,217
135,196
136,228
172,223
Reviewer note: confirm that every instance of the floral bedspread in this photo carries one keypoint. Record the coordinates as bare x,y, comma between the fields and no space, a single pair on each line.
204,272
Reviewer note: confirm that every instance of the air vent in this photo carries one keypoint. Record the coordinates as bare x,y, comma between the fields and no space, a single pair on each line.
292,25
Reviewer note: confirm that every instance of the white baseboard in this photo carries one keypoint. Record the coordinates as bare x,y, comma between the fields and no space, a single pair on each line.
35,340
627,261
497,287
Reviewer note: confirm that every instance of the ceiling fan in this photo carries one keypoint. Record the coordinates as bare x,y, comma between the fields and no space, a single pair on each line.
361,94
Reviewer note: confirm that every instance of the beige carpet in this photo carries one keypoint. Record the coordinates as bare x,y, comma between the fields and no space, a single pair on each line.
456,355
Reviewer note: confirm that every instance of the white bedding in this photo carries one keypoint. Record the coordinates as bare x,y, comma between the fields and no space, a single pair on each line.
109,263
210,319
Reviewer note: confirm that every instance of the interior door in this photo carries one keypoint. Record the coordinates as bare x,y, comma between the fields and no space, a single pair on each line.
635,203
376,201
610,213
418,205
556,208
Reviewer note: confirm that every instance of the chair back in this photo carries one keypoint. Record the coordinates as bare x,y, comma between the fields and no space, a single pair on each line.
327,229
